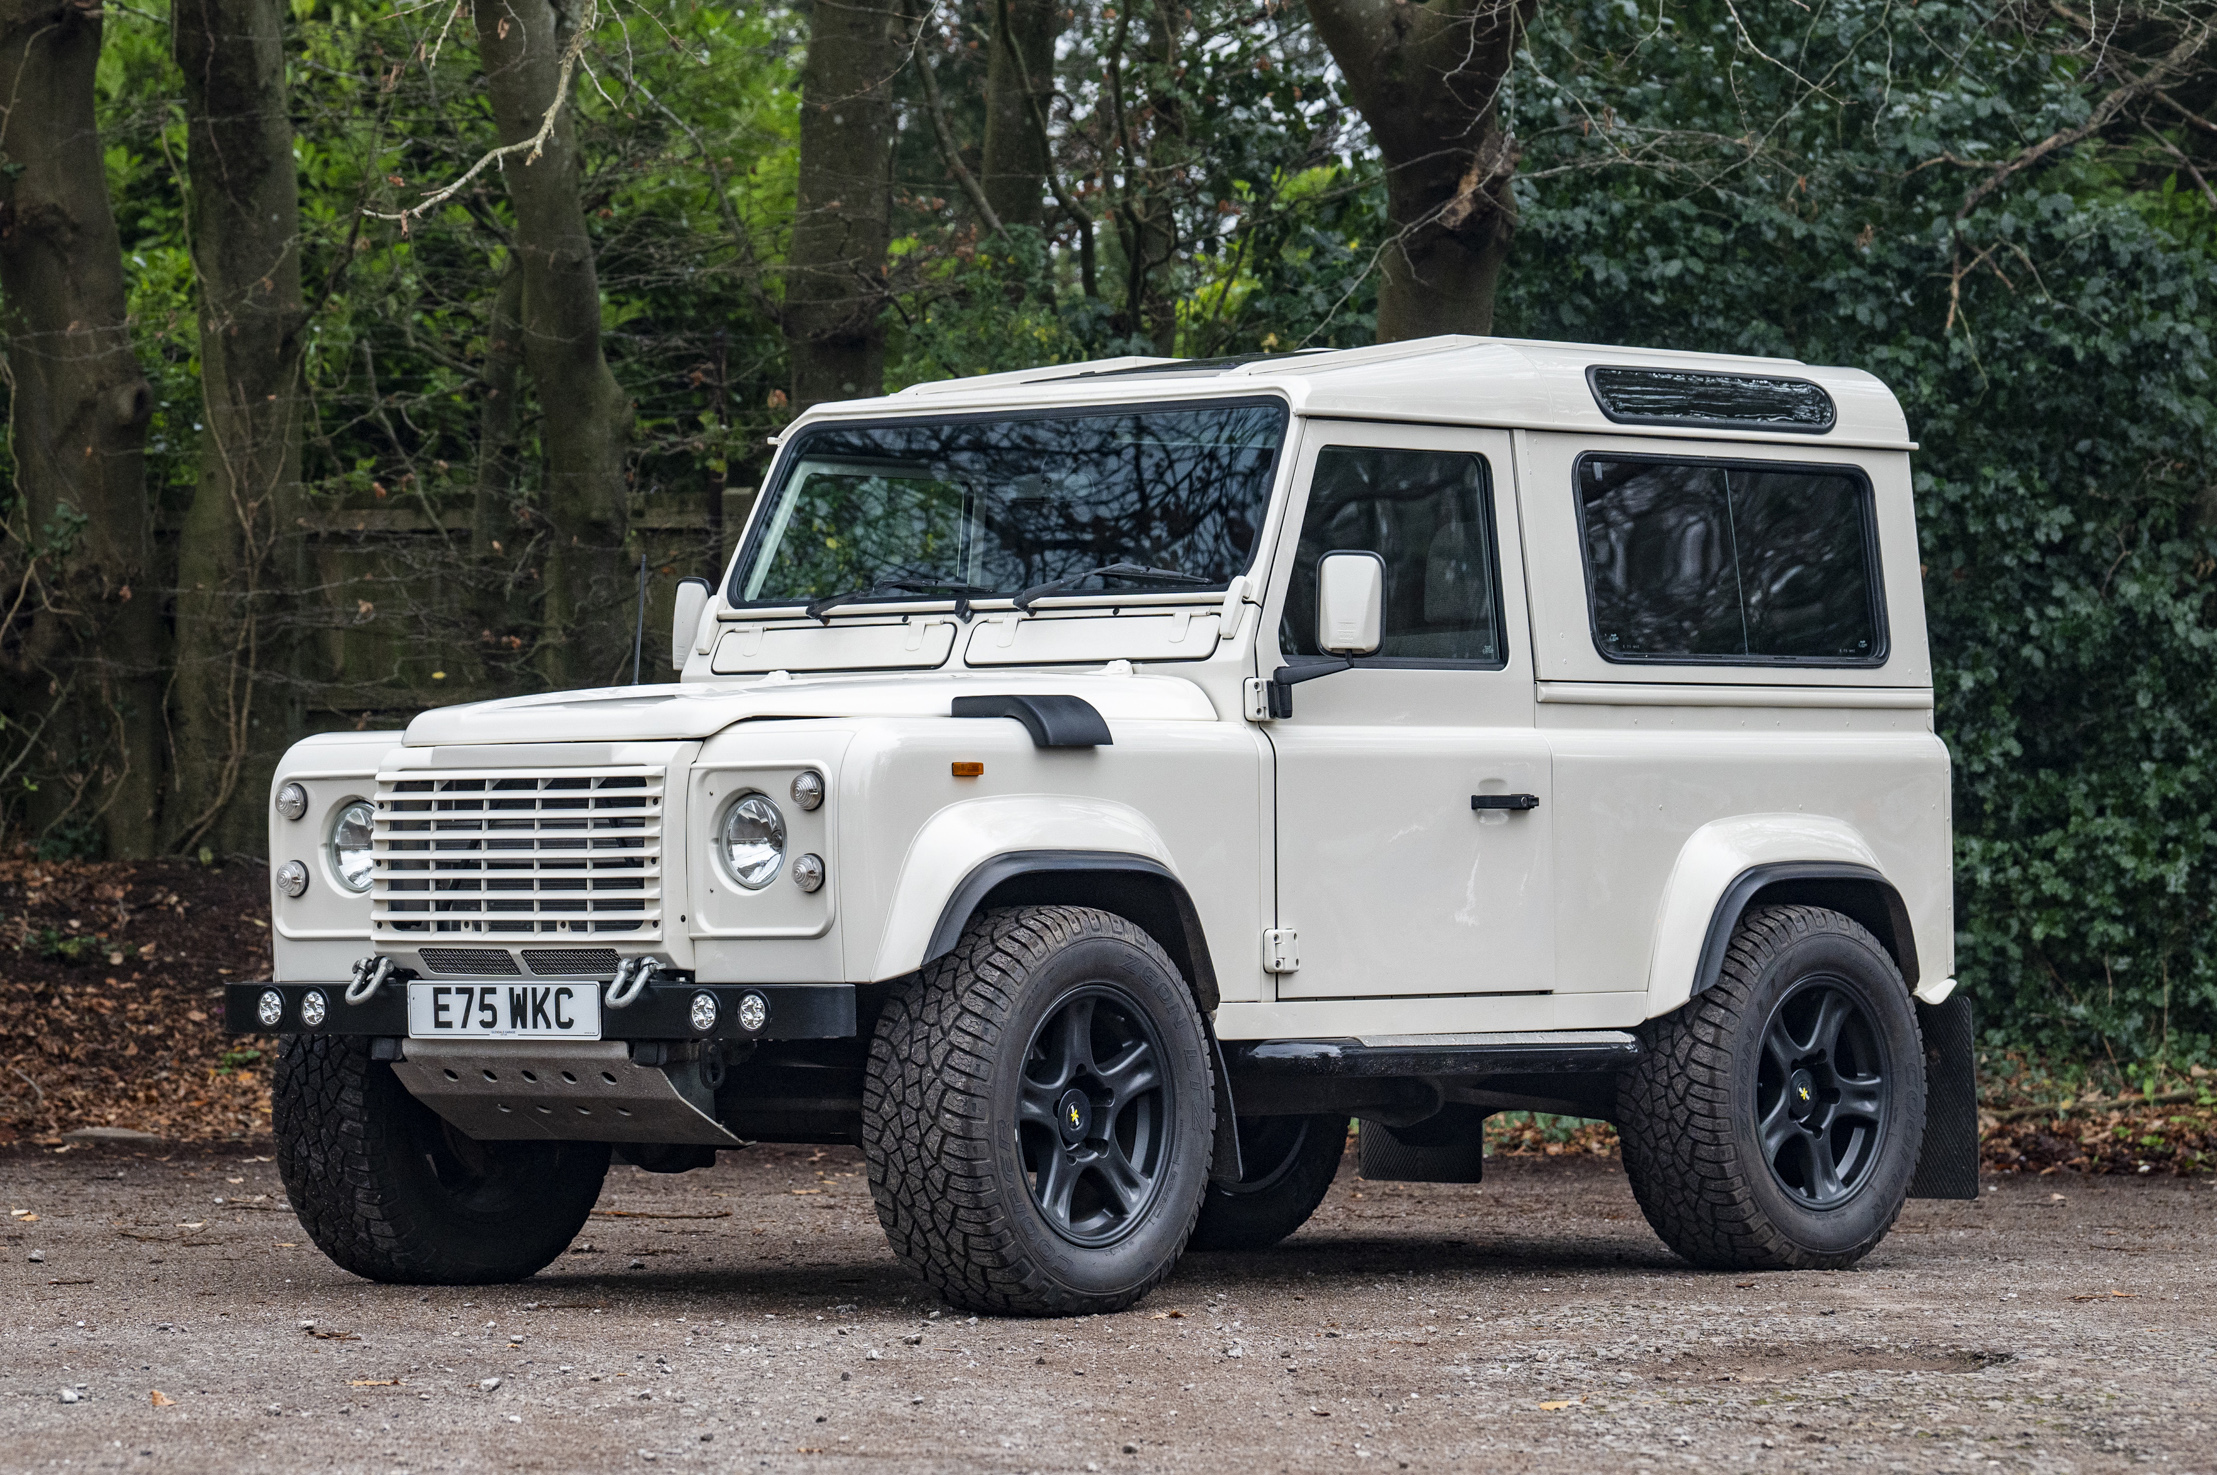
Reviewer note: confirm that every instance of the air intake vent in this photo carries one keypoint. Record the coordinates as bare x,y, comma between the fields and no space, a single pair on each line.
499,853
571,962
483,962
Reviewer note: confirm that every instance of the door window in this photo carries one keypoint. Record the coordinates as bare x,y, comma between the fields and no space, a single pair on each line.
1702,562
1429,515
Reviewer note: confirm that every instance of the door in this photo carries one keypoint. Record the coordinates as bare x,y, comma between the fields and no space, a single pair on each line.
1393,881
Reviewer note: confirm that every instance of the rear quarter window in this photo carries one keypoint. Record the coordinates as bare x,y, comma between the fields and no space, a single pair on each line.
1707,562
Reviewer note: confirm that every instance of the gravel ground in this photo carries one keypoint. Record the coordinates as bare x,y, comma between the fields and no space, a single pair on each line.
751,1318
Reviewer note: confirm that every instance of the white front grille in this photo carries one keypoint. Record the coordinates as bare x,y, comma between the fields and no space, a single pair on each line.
508,853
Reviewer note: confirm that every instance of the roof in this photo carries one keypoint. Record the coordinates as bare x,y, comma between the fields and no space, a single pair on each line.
1508,382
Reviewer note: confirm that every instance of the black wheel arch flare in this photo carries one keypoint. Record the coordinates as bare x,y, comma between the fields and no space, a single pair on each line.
1856,891
1139,889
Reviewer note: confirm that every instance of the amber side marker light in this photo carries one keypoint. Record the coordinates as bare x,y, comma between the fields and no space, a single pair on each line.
969,770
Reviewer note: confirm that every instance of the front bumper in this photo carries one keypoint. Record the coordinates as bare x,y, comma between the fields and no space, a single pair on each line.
797,1011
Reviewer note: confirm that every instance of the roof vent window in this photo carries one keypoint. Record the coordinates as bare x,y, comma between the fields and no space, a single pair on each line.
1690,397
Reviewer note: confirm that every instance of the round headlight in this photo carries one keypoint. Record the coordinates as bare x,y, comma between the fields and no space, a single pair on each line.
292,878
292,801
752,839
350,845
313,1007
269,1008
808,789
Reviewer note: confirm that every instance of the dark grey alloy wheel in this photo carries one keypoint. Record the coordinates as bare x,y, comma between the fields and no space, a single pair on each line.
1822,1092
1775,1121
1094,1115
1038,1114
1288,1163
391,1191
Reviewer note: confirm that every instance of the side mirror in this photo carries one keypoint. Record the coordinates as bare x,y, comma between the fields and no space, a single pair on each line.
685,620
1350,602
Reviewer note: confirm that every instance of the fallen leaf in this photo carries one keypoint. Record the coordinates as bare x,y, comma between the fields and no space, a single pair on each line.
805,1190
160,1399
374,1383
1168,1316
196,1224
1561,1403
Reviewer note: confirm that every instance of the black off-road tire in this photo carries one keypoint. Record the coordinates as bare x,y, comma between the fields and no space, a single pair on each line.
1688,1119
941,1105
391,1192
1289,1164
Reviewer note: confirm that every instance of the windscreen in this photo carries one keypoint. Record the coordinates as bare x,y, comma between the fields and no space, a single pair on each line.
997,506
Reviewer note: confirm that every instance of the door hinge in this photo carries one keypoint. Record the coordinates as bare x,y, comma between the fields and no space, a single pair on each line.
1257,692
1281,950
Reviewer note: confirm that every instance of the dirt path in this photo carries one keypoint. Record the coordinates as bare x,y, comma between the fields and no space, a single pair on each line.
751,1319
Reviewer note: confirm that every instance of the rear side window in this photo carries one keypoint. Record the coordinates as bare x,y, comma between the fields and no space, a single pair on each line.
1429,515
1709,562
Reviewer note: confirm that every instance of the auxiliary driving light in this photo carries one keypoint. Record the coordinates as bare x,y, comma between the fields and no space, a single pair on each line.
313,1007
270,1008
703,1013
754,1012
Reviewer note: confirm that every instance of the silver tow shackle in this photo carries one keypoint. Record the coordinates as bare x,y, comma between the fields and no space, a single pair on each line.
369,976
632,977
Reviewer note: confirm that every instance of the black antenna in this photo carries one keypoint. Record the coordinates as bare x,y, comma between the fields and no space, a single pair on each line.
639,634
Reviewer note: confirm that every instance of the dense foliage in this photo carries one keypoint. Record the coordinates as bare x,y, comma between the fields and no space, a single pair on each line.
1811,191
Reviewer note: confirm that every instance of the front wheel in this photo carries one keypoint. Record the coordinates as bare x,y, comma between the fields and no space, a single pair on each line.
392,1191
1774,1123
1038,1115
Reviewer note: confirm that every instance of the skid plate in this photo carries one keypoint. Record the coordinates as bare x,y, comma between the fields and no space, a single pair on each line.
517,1090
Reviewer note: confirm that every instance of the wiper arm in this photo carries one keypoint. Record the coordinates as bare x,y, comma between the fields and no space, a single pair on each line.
820,609
1138,573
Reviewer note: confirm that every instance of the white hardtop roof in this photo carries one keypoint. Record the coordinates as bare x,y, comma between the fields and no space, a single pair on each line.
1508,382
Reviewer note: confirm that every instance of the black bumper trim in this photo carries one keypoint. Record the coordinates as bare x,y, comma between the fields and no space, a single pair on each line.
797,1011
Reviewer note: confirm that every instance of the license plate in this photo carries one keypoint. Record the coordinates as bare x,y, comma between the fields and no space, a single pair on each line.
504,1011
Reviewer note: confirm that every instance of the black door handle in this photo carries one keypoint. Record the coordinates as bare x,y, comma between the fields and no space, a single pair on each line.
1504,801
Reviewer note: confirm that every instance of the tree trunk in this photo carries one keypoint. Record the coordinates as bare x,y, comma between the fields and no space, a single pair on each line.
1427,78
493,508
240,560
584,416
83,659
835,282
1019,80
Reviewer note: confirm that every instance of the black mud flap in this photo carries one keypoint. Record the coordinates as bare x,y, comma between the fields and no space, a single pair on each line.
1447,1147
1948,1165
1225,1167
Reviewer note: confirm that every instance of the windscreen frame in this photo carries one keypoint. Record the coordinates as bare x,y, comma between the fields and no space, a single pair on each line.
764,512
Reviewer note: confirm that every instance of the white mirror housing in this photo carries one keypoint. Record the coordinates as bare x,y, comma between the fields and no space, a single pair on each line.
1350,602
685,620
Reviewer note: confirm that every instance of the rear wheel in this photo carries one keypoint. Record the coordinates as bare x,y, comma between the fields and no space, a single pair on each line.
392,1191
1038,1115
1775,1122
1288,1164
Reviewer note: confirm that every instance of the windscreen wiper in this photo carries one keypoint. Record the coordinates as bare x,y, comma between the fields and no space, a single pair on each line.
1138,573
820,609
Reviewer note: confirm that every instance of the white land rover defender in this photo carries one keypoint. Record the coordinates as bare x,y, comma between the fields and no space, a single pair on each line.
1088,788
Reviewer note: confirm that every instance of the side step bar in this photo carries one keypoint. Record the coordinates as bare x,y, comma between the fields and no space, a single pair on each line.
1545,1052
